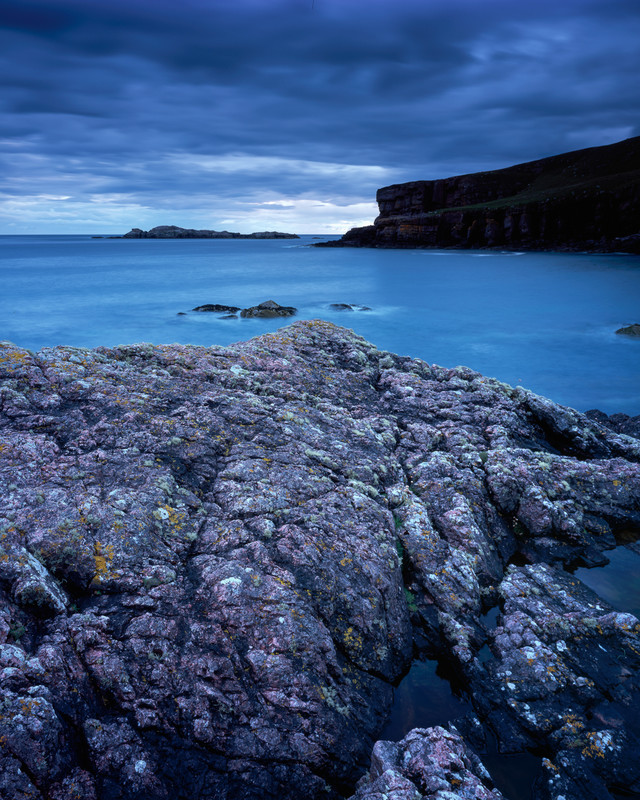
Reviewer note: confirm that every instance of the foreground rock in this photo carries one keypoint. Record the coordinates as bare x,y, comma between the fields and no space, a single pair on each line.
175,232
216,562
583,200
621,423
431,763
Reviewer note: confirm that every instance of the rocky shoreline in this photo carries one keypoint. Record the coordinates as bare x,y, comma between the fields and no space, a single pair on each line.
216,563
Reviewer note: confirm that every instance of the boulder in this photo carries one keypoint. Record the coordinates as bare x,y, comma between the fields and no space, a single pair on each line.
269,309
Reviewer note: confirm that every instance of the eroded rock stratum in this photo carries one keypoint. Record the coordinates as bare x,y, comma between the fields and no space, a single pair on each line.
216,561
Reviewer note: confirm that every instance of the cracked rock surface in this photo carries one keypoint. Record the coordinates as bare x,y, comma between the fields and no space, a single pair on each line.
216,562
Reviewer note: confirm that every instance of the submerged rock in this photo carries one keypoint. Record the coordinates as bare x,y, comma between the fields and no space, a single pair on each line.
348,307
216,562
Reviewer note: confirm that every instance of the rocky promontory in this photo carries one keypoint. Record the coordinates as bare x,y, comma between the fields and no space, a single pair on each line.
583,200
215,564
174,232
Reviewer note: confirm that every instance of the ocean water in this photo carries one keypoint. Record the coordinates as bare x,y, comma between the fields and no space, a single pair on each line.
546,321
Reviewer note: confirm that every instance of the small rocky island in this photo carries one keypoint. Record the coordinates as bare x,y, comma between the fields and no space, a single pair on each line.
216,563
267,309
583,200
174,232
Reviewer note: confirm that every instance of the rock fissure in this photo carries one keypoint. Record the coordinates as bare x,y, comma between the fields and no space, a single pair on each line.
244,579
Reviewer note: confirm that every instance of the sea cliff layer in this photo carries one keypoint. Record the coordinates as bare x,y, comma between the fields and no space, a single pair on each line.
587,199
174,232
216,562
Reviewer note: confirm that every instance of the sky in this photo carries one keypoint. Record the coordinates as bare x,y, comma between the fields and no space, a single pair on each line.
288,115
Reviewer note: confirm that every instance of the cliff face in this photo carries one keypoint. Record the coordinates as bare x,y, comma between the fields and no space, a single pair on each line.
587,199
216,562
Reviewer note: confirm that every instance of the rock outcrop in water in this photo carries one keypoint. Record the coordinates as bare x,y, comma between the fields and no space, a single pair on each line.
174,232
630,330
216,562
587,199
268,309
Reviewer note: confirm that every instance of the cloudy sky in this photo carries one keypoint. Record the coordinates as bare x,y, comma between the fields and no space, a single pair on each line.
289,114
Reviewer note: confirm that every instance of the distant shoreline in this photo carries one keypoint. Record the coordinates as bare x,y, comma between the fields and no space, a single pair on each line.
175,232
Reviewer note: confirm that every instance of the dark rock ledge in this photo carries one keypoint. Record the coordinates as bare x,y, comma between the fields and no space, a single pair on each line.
215,562
268,309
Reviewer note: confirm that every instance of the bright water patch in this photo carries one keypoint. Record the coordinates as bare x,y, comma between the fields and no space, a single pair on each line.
545,321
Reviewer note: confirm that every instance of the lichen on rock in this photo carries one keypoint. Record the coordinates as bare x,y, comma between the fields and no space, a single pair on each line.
215,563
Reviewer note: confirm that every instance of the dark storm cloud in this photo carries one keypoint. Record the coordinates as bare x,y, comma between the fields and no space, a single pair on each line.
215,109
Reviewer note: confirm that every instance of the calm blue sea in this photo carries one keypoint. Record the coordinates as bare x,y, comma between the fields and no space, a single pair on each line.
546,321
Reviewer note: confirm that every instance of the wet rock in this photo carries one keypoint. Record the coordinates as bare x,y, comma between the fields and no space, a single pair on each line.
217,308
348,307
216,562
621,423
630,330
269,309
628,244
562,680
427,763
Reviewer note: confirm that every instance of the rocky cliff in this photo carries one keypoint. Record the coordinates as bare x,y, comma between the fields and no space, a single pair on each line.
587,199
216,562
174,232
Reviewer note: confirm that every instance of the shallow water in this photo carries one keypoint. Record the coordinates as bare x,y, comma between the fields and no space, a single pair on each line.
425,698
422,699
618,582
546,321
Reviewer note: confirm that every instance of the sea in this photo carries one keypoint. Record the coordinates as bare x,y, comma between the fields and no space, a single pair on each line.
545,321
